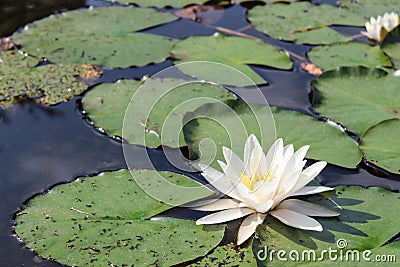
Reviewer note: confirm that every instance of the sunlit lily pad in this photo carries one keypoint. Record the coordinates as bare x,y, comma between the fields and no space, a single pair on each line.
236,52
106,105
351,54
381,145
303,22
358,97
364,224
326,142
104,221
370,8
52,83
102,36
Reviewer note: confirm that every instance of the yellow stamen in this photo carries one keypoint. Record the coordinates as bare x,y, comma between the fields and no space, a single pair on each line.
250,181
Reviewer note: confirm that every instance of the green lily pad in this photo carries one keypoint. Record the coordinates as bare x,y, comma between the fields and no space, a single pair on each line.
370,8
380,145
303,22
101,36
326,142
236,52
391,46
351,54
228,256
52,83
364,224
104,221
358,97
107,104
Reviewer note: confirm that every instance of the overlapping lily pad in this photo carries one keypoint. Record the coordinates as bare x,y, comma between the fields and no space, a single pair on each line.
370,8
358,97
349,54
303,22
380,145
52,83
236,52
102,36
104,221
107,104
326,142
364,224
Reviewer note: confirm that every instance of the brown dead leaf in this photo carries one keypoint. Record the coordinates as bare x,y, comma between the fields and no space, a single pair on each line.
92,73
204,14
311,68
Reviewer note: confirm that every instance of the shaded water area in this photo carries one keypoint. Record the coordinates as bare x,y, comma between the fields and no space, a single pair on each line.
43,146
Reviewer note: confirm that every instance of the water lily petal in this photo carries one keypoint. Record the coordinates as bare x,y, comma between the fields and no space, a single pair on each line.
225,216
248,226
301,153
220,204
219,181
265,190
306,208
255,161
310,190
264,207
274,154
296,220
249,146
283,190
307,175
287,155
234,163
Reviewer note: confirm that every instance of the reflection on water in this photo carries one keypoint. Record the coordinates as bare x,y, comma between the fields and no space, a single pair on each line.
14,14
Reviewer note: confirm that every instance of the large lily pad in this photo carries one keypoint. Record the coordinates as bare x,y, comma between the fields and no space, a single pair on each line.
358,97
236,52
371,8
104,221
351,54
364,224
52,83
326,142
303,22
102,36
380,145
107,104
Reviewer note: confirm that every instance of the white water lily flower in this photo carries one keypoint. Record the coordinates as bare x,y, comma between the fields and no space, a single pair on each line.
261,184
390,21
374,27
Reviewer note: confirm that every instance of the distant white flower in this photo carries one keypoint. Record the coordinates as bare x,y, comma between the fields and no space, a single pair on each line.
390,21
261,184
374,27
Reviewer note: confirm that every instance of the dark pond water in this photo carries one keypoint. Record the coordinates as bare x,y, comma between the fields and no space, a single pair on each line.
44,146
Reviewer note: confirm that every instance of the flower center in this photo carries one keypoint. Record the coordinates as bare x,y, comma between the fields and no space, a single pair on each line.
250,181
